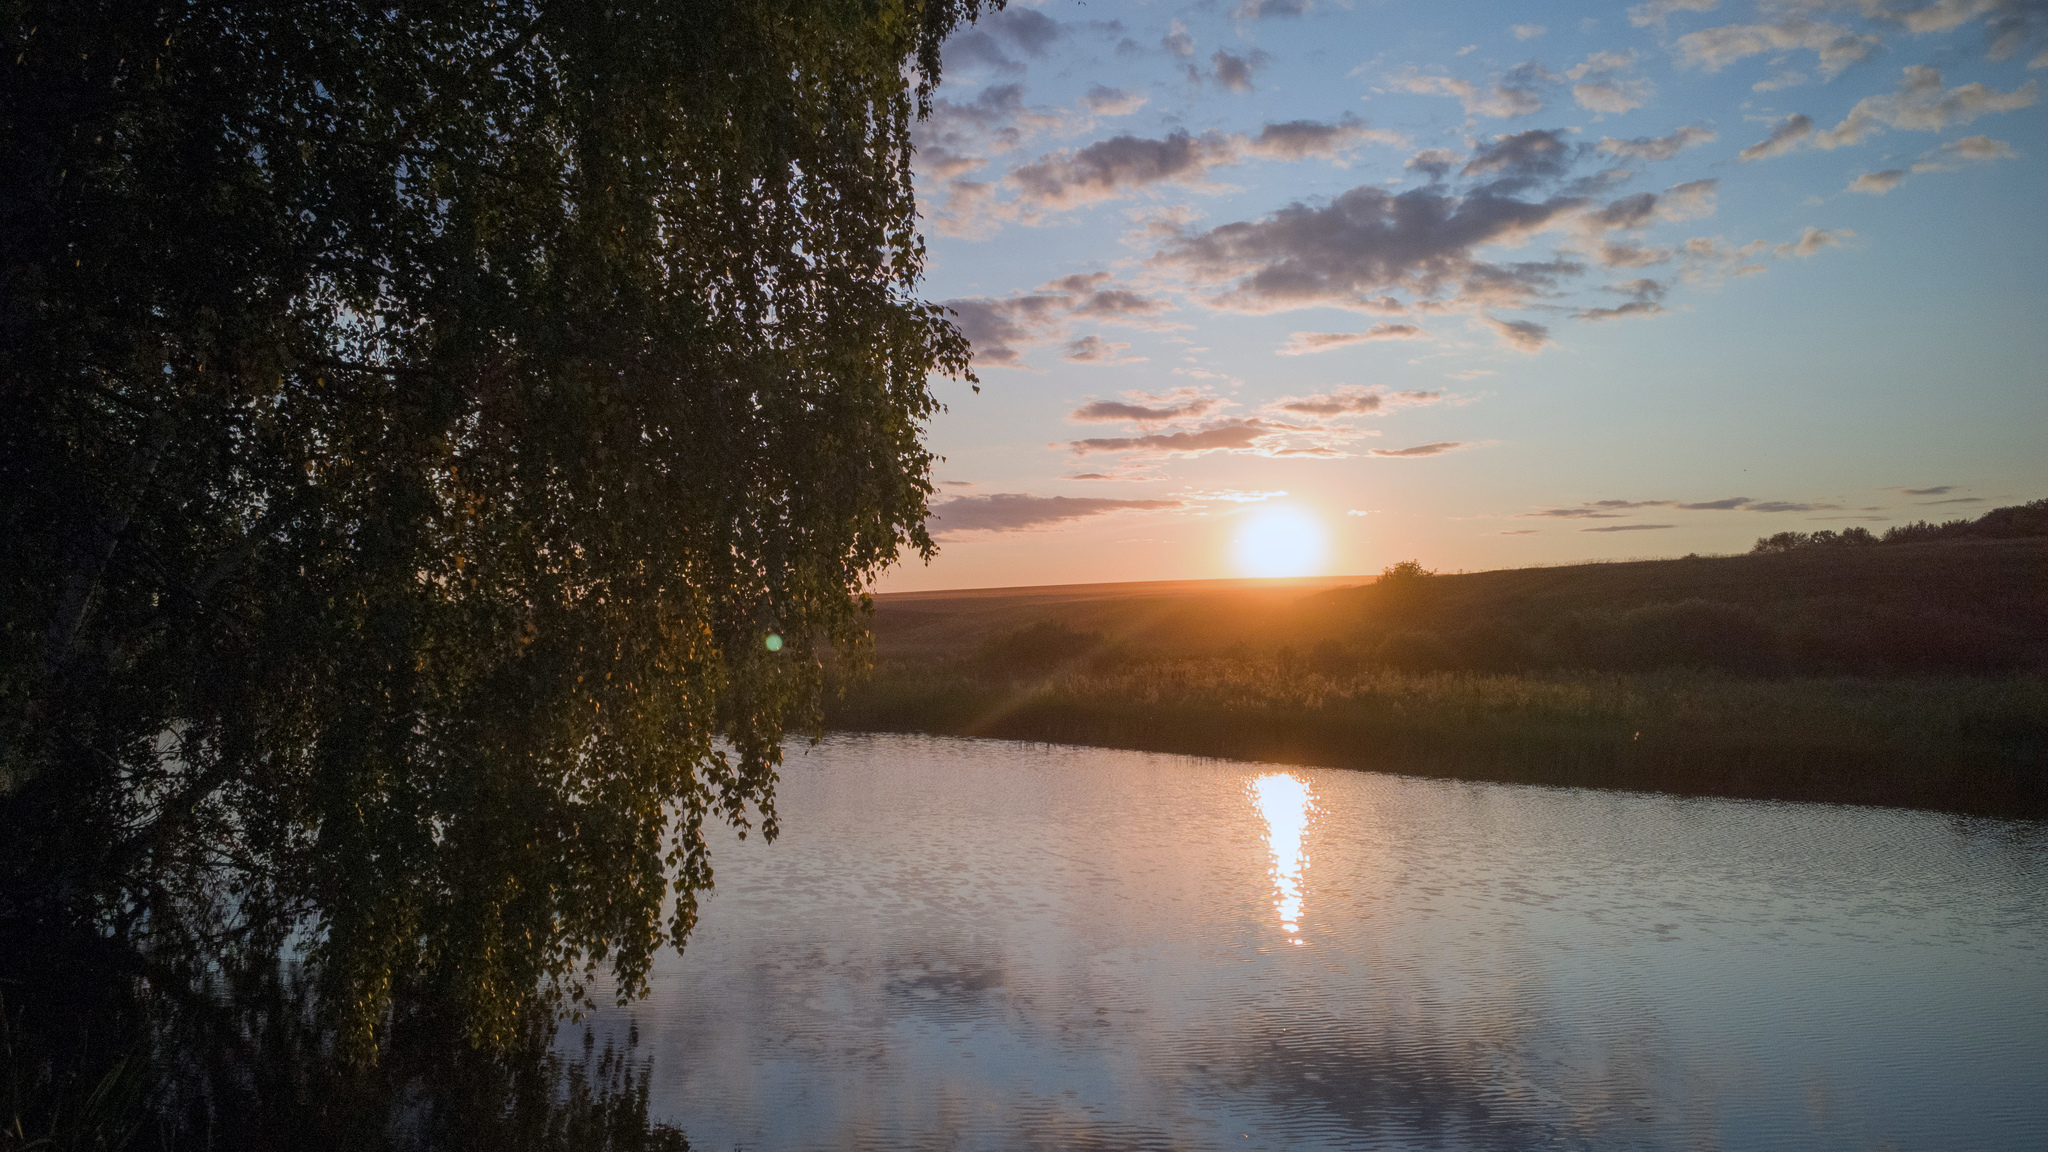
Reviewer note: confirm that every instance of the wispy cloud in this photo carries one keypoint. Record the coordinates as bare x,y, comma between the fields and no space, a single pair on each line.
1303,343
1016,511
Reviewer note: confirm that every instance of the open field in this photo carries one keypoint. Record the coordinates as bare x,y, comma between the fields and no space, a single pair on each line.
1909,675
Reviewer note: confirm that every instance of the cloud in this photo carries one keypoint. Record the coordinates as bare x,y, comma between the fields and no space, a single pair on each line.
1968,150
1352,400
1786,135
1234,495
1093,349
1782,78
1628,527
1235,72
1015,511
1105,101
1877,183
1922,105
1812,241
1303,343
1177,40
1785,506
1143,408
1226,436
1521,335
1656,11
1522,156
1121,165
1571,514
1000,329
1621,311
987,43
1497,101
1937,490
1713,49
1259,9
1723,505
1957,500
1436,449
1360,511
1350,252
1311,139
1519,532
1612,97
1436,163
1528,31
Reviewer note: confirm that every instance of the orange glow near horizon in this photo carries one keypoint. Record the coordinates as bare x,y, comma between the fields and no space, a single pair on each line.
1281,541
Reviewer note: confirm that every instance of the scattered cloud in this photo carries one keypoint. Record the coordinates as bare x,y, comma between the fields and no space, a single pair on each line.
1877,183
1303,343
1001,329
1528,31
1352,251
1957,500
1521,335
1177,40
1352,400
1123,165
1016,511
1144,408
1360,511
1968,150
1812,241
1436,449
1937,490
1713,49
1657,11
1233,496
1782,78
1922,105
1497,100
1094,349
1235,72
1519,532
1786,135
1105,101
1628,527
1658,147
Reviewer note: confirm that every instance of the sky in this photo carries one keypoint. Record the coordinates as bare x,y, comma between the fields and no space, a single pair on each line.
1302,287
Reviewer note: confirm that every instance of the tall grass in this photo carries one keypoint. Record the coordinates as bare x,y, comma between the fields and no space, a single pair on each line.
1954,742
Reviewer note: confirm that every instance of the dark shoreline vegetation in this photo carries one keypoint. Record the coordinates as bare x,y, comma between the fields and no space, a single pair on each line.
1914,674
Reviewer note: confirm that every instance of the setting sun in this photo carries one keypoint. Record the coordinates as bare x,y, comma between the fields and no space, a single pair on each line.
1280,542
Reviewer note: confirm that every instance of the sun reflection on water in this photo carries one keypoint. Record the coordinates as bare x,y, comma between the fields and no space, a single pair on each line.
1286,803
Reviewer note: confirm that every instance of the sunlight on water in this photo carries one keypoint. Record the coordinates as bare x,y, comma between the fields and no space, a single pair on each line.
1285,803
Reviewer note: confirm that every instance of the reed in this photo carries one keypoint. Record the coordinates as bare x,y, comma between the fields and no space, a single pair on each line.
1958,743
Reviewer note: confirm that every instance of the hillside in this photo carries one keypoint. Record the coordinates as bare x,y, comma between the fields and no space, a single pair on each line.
1968,605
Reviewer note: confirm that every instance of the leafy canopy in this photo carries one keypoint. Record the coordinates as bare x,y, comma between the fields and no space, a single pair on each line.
414,419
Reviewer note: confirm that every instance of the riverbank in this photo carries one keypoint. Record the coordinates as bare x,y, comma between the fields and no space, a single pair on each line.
1953,743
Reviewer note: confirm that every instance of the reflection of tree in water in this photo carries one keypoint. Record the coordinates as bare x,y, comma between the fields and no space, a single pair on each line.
105,1057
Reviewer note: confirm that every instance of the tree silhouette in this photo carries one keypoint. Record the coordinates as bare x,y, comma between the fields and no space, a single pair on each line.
414,421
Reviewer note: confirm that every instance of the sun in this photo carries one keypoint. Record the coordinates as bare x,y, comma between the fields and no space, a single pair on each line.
1280,542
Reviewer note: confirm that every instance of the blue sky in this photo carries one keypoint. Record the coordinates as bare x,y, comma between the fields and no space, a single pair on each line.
1483,285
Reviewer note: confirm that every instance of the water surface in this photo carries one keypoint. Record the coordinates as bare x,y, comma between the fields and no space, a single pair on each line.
988,945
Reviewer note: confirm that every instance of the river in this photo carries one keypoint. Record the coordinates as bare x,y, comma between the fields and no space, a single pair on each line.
971,944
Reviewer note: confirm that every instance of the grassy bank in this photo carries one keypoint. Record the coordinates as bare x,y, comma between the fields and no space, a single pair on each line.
1958,743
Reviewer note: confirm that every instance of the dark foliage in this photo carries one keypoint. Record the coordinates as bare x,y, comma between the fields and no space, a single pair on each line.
414,420
2009,523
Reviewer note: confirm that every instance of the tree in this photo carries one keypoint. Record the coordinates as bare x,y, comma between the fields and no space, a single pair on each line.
415,421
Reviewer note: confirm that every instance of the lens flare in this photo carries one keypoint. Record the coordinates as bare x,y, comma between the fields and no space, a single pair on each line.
1280,542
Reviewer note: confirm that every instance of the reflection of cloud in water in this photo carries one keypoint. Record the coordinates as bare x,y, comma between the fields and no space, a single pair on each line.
1286,804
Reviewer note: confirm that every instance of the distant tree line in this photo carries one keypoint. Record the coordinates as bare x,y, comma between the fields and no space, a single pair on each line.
2007,523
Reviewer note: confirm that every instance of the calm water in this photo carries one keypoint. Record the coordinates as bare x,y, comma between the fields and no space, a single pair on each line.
979,944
